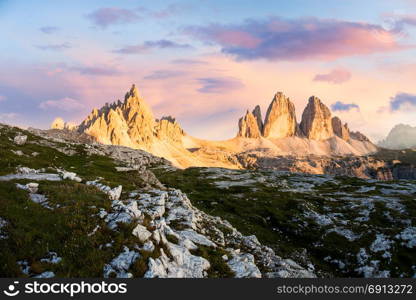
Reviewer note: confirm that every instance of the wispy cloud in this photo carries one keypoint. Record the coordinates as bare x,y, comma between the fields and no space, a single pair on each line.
164,74
49,29
340,106
107,16
219,84
55,47
97,70
189,62
149,45
8,117
171,10
2,98
402,100
336,76
297,39
65,104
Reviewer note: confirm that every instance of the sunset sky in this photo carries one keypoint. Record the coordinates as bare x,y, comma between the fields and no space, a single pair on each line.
206,62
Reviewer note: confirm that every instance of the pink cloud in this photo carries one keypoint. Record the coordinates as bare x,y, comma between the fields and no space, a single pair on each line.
107,16
2,98
299,39
64,104
336,76
235,38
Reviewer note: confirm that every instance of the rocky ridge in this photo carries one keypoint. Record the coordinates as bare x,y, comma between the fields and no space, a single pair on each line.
131,123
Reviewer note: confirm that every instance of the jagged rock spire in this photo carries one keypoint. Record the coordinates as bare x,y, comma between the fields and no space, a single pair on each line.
257,115
130,123
280,119
340,130
248,126
316,121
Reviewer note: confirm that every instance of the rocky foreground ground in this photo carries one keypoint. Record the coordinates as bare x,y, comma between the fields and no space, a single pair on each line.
82,209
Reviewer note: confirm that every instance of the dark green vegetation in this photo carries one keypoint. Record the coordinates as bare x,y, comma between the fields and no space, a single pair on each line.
88,167
33,231
406,156
70,225
291,212
219,269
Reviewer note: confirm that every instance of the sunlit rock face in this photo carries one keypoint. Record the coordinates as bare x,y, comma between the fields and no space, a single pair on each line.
259,119
130,123
168,129
316,120
280,118
340,130
248,126
58,123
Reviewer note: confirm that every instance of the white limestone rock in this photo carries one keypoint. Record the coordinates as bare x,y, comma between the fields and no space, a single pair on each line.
20,140
243,266
120,265
70,175
142,233
115,193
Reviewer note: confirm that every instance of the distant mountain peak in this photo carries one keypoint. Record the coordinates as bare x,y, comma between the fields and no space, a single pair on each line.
401,136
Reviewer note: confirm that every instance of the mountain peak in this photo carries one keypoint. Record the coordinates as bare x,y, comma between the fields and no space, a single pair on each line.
257,115
280,119
133,93
130,123
248,126
316,121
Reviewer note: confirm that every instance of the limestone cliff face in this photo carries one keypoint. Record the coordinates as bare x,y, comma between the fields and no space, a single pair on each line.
340,130
316,121
130,123
248,126
280,118
257,115
168,129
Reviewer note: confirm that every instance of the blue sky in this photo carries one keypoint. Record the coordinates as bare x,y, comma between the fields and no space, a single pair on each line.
201,59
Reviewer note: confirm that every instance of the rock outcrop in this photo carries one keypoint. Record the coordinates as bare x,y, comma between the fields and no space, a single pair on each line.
316,120
60,124
340,130
248,126
168,129
356,135
280,118
257,115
